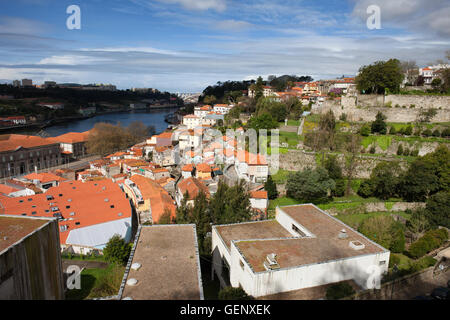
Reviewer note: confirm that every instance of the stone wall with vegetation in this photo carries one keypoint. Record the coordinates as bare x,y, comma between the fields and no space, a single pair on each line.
403,108
296,160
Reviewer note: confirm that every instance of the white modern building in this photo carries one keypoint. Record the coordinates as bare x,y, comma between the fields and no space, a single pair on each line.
303,247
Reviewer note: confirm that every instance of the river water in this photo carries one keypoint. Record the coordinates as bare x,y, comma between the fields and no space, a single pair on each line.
149,118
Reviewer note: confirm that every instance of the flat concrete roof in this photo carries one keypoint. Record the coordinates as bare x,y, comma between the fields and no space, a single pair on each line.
257,240
15,228
169,261
252,230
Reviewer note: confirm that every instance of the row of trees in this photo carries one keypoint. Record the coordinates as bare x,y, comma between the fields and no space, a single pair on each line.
228,205
422,178
106,138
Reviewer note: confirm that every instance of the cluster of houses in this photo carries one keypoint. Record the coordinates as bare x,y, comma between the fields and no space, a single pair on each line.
306,92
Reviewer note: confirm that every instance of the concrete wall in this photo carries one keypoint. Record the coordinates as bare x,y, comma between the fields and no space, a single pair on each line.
282,280
32,269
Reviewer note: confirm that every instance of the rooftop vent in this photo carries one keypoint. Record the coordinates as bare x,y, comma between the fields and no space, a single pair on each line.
271,262
356,245
120,214
135,266
343,234
106,199
132,282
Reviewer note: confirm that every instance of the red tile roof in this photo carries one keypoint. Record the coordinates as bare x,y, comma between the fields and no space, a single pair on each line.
89,201
193,186
258,194
44,177
160,200
11,142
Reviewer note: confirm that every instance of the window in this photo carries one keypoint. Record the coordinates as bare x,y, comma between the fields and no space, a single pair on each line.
112,206
382,263
67,207
34,212
77,223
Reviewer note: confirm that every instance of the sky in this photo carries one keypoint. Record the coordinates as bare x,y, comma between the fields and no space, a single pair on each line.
186,45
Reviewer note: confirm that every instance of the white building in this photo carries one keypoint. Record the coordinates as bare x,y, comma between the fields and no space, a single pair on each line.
303,247
222,108
192,121
251,167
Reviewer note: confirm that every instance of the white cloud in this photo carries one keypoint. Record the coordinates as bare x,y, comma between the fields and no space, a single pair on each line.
218,5
71,60
130,49
21,26
232,25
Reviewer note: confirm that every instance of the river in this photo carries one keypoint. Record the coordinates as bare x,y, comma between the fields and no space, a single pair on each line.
149,118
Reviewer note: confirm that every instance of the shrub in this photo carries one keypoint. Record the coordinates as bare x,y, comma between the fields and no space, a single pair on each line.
427,133
393,260
445,133
365,130
388,104
436,133
412,106
339,190
423,263
408,130
117,250
365,189
397,105
230,293
392,130
343,117
406,152
414,153
372,149
339,291
431,240
400,150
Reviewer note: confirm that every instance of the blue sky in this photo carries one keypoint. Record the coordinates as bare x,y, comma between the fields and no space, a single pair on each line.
185,45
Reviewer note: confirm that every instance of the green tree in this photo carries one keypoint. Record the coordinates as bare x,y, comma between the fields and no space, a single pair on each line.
427,175
210,99
332,166
438,209
272,107
310,185
365,130
365,189
264,121
379,125
230,293
271,188
117,250
380,77
259,90
385,178
400,150
379,229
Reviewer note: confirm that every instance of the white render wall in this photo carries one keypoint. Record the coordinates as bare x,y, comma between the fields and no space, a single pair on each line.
282,280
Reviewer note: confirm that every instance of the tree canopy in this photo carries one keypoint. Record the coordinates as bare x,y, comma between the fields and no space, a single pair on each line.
380,77
310,185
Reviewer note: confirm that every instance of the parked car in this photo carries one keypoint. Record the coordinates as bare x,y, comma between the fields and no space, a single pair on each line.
441,293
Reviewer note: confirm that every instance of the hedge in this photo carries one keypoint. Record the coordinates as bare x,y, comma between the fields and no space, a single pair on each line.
431,240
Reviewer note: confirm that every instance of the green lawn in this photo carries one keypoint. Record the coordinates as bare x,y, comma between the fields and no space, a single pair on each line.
283,201
281,151
96,283
355,219
289,137
382,141
281,176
